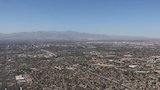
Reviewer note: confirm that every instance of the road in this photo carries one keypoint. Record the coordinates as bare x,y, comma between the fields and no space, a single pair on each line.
108,79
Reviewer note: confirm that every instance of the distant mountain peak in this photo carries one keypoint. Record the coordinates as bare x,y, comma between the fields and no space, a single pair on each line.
62,35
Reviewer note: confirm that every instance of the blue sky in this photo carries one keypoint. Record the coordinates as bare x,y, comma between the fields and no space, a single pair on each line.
112,17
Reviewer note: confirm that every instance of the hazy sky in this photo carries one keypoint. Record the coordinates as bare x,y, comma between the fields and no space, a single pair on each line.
113,17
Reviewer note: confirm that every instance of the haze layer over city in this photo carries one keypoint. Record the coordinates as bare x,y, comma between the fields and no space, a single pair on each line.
79,45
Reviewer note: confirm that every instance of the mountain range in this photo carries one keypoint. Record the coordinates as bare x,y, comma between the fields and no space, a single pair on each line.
63,35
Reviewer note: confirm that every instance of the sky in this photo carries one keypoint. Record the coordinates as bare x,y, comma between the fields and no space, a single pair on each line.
111,17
